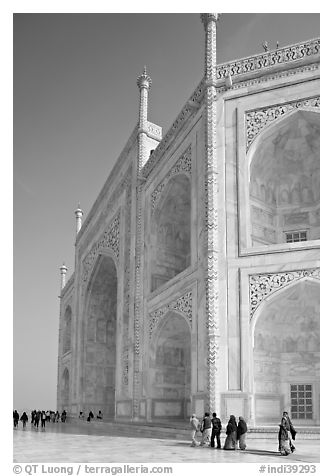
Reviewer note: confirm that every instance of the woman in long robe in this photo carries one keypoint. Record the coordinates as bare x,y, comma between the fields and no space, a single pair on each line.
284,437
231,432
241,433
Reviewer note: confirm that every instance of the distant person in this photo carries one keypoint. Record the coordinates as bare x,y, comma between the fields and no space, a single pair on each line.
206,429
241,433
63,416
216,431
81,415
195,426
36,419
231,432
100,415
43,419
48,416
57,416
32,417
90,416
16,418
24,419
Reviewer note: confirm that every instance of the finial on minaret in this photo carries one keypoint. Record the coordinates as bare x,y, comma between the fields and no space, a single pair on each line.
78,213
63,271
208,17
144,81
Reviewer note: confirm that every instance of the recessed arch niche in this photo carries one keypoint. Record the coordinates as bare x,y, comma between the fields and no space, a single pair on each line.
65,387
67,335
284,167
170,367
286,352
101,338
171,231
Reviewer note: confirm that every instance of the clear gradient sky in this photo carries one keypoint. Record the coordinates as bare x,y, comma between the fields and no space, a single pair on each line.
75,104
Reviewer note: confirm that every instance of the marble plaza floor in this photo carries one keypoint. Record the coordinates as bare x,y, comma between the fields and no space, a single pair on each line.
71,443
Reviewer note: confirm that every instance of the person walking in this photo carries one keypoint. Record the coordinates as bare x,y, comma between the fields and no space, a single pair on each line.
43,419
231,432
241,433
32,419
36,419
195,425
216,431
24,419
16,418
287,433
100,415
206,429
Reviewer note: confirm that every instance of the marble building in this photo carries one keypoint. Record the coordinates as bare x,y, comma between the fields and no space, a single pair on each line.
196,281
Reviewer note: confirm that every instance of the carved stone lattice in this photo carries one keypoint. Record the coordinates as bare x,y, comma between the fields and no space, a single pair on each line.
269,59
110,240
262,285
183,164
258,119
183,305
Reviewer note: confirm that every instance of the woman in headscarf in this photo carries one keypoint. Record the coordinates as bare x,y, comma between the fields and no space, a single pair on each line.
231,432
284,446
241,433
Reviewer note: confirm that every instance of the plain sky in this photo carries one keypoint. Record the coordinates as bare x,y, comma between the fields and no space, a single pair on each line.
75,105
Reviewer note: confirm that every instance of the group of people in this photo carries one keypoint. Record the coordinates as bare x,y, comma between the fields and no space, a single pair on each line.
38,417
211,429
91,416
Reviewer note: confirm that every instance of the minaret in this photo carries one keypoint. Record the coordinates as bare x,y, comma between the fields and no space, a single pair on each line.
144,83
211,228
63,271
78,214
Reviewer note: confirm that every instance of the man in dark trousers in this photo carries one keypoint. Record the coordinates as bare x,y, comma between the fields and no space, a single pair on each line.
216,430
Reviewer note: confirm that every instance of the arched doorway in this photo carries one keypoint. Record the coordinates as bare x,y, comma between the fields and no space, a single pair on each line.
286,356
171,232
170,368
284,173
100,339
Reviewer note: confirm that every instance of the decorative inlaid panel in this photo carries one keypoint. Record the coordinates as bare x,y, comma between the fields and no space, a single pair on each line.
183,164
258,119
183,305
269,59
262,285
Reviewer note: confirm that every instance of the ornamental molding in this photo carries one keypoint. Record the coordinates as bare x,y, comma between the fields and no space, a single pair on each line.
264,79
183,305
109,240
183,164
188,110
258,119
286,55
263,285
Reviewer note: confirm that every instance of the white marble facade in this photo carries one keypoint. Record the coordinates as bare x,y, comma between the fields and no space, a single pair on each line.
196,281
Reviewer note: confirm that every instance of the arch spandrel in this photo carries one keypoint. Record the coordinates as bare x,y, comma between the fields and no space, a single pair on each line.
264,286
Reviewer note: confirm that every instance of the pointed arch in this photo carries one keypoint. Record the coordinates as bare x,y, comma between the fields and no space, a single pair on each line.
171,231
170,367
283,165
100,336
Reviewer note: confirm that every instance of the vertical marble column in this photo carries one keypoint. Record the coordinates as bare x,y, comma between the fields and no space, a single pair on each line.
144,83
211,227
